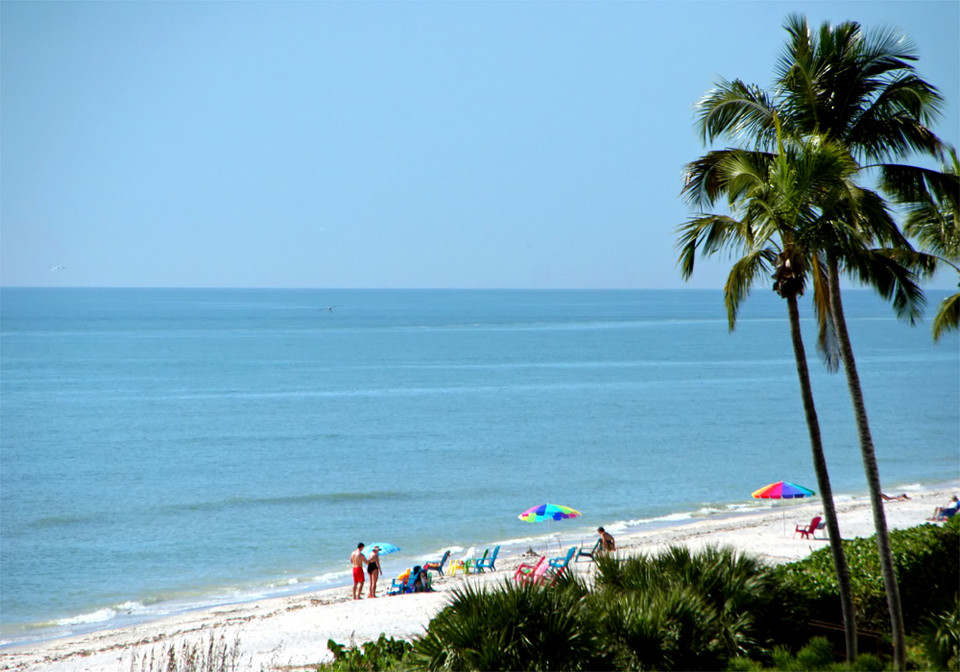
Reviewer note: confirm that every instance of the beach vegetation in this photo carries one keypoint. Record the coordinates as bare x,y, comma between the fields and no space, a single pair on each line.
927,561
214,653
513,626
381,655
858,90
682,610
816,656
939,638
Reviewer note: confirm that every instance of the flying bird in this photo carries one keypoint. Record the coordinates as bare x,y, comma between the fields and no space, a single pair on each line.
59,268
330,308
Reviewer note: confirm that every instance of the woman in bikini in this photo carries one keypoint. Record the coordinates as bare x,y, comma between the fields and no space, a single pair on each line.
373,569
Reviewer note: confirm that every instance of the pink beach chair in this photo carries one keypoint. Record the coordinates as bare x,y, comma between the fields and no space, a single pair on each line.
526,572
540,574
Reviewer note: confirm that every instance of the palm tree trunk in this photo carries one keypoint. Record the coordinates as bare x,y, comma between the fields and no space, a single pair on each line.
823,482
868,454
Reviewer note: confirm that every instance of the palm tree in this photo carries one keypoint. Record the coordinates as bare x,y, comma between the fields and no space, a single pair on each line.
860,90
779,201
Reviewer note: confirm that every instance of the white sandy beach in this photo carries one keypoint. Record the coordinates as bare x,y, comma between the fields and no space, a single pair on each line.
291,633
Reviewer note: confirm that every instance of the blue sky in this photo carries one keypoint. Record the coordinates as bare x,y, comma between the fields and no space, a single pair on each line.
379,144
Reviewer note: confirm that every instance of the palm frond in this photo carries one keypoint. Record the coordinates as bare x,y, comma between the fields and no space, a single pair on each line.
799,45
914,184
709,234
828,346
871,216
736,110
886,50
932,212
893,280
745,272
880,134
948,317
922,264
743,173
936,232
703,178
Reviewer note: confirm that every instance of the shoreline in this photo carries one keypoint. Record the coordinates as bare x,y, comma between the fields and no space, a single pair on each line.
291,632
134,613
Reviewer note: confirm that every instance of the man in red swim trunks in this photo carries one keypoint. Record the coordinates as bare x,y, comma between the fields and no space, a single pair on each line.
357,559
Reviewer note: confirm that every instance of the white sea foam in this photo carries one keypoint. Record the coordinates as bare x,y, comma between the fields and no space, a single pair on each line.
131,607
332,577
98,616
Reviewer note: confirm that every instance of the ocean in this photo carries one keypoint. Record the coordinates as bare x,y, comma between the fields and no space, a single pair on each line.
170,449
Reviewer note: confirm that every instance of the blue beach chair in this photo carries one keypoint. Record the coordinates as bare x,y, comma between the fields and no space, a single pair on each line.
399,585
591,554
488,562
418,581
436,564
559,565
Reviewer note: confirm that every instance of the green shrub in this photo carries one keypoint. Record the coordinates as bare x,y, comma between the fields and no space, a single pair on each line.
816,656
940,638
383,654
927,560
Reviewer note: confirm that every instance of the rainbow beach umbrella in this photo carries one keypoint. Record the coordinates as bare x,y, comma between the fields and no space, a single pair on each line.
782,490
538,514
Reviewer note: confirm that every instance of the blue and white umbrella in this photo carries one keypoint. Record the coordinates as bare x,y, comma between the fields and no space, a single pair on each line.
385,549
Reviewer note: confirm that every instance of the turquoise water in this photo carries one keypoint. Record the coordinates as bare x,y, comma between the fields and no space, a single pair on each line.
171,448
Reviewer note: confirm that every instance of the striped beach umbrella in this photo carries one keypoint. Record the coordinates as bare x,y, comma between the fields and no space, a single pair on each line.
782,490
538,514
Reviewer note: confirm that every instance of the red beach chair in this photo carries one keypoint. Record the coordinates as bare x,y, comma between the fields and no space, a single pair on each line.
806,531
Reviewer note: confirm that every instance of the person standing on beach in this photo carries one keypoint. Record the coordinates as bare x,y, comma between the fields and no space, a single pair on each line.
373,569
356,559
607,544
